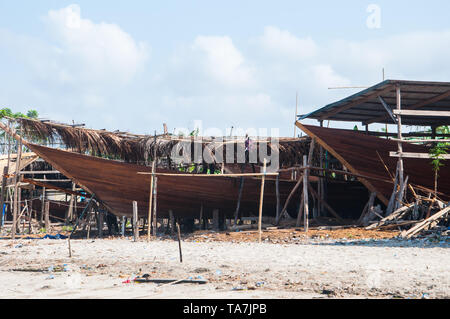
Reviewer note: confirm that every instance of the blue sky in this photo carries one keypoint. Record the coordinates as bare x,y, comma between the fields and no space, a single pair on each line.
133,65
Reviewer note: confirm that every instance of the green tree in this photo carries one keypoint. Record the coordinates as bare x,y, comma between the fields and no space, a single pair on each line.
436,153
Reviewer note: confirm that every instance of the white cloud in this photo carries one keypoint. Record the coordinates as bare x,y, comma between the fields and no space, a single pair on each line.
90,52
324,76
282,42
222,61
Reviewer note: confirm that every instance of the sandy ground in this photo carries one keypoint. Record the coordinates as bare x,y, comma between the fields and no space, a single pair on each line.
301,268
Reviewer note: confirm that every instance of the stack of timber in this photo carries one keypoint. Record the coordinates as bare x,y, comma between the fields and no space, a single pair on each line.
425,215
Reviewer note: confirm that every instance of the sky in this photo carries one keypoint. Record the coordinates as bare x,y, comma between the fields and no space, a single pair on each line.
134,65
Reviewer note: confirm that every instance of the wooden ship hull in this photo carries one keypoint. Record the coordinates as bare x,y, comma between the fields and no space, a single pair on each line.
118,184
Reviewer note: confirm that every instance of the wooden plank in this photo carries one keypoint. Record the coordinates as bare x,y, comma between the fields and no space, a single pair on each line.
422,113
421,140
413,231
418,155
395,215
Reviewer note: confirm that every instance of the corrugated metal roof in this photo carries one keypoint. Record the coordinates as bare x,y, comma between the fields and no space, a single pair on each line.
366,107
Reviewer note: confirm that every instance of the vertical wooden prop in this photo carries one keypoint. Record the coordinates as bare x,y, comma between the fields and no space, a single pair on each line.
305,194
135,222
400,149
3,192
171,222
6,170
124,222
216,220
47,216
150,201
16,188
261,200
43,203
179,242
236,213
70,211
277,191
100,224
155,205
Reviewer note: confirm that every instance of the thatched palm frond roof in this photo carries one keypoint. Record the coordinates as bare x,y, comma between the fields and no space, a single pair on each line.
141,148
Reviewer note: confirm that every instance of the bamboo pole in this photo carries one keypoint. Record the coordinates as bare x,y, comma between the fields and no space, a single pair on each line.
261,201
210,175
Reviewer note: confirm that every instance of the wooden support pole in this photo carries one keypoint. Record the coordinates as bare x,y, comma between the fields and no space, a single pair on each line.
179,242
16,188
3,191
400,147
150,202
70,248
328,207
100,224
43,203
305,195
70,211
216,220
155,195
300,211
124,222
47,216
261,201
172,222
286,204
241,188
200,219
277,191
135,221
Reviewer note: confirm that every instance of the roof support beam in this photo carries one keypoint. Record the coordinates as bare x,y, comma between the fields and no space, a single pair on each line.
434,99
357,102
388,109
